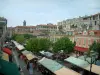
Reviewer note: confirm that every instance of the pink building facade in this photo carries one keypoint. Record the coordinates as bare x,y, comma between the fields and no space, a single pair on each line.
85,39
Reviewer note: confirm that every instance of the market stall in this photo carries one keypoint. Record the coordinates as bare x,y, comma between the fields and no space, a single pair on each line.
84,66
78,62
19,46
25,52
46,54
55,68
66,71
49,66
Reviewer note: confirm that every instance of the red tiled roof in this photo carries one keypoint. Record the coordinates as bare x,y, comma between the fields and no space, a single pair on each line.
81,49
7,50
25,26
47,25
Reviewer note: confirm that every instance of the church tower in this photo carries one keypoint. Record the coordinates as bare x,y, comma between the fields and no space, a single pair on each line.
24,23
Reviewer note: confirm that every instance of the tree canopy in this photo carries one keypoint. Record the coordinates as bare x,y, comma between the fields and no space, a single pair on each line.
20,39
28,36
95,47
14,36
64,44
36,45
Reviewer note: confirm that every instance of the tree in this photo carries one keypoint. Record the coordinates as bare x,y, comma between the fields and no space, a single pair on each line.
31,44
28,36
20,39
44,44
36,45
64,44
14,36
98,49
95,47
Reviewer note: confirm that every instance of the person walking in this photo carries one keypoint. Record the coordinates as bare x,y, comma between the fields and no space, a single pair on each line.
30,68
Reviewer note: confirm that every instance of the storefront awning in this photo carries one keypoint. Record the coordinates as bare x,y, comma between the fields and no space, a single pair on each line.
81,49
48,54
87,58
25,52
19,46
7,50
66,71
30,56
50,64
78,62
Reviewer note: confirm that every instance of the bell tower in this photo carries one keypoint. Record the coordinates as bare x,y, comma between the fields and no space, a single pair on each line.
24,23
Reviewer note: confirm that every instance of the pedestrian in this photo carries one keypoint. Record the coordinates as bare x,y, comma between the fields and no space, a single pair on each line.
31,68
10,58
19,68
28,66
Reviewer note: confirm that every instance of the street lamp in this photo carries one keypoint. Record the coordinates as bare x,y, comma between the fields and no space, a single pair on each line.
92,55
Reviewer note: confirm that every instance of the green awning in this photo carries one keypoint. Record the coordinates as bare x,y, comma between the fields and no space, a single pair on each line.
8,68
50,64
77,62
87,58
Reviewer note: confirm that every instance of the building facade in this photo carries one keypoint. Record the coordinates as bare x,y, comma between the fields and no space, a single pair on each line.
91,22
87,38
47,27
55,37
36,30
3,28
71,24
24,29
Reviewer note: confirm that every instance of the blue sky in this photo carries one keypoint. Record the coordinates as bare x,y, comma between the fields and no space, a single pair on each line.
45,11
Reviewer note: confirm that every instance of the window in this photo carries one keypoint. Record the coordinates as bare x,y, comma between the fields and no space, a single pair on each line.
95,22
89,42
95,33
79,41
84,41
